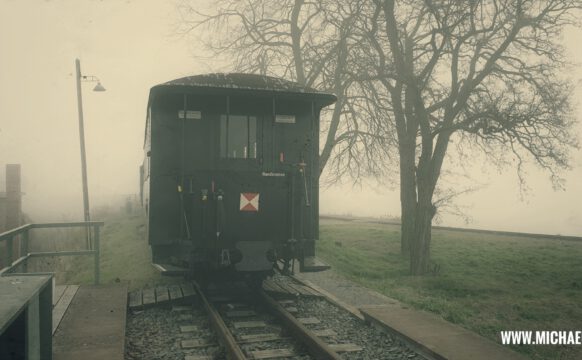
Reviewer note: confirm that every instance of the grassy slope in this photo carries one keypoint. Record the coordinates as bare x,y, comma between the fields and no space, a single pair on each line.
486,283
125,255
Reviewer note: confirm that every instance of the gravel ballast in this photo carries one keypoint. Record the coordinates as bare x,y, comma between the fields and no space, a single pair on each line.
154,333
375,343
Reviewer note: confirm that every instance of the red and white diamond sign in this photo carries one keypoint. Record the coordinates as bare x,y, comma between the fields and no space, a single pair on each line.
249,202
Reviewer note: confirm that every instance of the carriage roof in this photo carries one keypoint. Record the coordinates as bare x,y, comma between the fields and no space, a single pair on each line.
225,82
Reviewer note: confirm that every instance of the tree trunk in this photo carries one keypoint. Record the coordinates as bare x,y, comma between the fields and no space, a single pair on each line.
331,134
424,213
407,215
420,246
296,42
407,195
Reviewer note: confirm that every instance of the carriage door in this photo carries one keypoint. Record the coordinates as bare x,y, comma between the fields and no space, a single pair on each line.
292,155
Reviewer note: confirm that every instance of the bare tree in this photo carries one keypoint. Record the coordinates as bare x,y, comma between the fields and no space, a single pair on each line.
480,71
312,43
413,78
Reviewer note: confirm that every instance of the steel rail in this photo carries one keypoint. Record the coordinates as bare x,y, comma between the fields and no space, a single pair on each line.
318,348
234,352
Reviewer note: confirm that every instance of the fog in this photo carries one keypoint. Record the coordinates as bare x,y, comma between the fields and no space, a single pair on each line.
131,46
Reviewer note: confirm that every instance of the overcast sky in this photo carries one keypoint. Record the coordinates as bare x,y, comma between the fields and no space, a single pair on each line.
130,46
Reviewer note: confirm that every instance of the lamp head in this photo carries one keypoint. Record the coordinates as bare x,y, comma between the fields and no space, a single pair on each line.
98,87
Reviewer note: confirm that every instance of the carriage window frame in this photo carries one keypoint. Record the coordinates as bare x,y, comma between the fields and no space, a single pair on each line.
230,146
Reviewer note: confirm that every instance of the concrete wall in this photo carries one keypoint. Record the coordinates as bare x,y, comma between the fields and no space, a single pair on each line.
2,212
13,196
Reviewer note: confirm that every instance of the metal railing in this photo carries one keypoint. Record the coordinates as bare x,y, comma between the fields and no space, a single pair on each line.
13,262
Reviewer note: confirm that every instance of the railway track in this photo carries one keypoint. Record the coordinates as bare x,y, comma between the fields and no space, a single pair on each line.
254,325
235,322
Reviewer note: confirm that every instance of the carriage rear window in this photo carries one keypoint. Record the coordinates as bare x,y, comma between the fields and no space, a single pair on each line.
238,137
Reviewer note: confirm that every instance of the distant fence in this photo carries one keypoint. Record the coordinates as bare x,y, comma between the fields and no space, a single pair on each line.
16,256
449,228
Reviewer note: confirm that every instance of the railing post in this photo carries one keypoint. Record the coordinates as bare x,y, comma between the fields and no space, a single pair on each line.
9,250
24,248
96,249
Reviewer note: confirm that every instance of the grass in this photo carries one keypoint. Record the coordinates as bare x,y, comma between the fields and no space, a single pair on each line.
125,254
487,283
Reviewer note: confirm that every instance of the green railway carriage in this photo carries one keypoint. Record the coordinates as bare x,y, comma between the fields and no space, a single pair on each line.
229,180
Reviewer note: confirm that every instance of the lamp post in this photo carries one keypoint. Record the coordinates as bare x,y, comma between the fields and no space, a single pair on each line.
98,87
